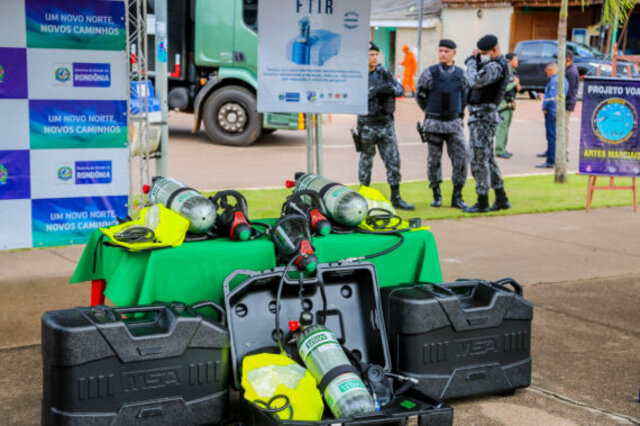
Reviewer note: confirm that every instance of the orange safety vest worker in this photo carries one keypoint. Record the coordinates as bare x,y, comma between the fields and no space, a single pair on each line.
410,67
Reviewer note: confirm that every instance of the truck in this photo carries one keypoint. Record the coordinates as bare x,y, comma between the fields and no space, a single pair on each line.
212,58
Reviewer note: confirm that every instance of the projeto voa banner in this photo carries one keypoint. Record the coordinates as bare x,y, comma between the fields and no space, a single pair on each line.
313,56
63,120
609,135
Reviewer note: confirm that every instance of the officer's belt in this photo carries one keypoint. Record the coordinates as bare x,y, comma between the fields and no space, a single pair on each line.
379,119
443,117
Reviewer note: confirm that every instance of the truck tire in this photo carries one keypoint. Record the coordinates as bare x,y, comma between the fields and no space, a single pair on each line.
230,117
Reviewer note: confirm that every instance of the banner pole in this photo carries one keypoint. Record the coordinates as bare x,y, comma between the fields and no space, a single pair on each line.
161,82
309,122
319,159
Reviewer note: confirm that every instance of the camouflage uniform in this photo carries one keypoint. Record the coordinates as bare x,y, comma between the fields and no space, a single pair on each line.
483,121
440,131
377,127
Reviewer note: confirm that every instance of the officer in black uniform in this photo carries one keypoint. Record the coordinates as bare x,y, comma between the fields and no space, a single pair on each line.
442,91
377,128
488,74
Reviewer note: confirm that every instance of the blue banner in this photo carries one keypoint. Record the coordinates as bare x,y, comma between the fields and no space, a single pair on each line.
58,221
609,134
13,73
15,179
64,124
73,24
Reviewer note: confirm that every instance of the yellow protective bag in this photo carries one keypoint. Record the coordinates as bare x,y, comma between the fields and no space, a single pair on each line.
265,377
377,204
169,229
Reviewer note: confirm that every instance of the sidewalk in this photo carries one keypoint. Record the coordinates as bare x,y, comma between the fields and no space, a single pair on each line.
581,271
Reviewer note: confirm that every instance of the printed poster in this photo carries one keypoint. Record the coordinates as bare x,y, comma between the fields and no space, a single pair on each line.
313,56
609,136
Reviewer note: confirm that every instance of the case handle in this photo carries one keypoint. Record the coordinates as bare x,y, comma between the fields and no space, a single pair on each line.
215,307
233,275
158,309
509,281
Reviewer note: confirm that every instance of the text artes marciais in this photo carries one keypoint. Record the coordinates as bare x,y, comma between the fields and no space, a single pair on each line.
597,89
314,6
68,23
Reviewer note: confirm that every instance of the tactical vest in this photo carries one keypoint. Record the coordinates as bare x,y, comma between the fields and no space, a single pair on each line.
381,105
445,93
494,92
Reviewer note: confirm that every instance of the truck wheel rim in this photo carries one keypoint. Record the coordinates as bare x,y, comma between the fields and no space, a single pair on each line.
232,117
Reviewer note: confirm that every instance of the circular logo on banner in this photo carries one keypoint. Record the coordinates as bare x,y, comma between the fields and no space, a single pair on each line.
4,175
63,74
65,173
1,73
614,121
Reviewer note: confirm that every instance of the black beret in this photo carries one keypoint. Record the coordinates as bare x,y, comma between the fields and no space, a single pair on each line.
373,46
445,42
487,42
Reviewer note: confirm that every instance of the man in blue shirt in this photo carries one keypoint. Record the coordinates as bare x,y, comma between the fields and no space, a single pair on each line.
549,108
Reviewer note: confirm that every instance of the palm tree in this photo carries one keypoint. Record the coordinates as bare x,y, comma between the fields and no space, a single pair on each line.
614,12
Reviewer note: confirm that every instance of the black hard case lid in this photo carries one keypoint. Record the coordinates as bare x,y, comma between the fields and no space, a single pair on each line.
354,310
84,334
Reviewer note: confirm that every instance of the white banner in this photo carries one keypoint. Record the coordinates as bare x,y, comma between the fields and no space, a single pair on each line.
76,74
79,172
313,56
14,122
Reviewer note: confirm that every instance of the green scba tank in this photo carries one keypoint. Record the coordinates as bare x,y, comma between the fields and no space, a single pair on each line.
185,201
346,395
345,206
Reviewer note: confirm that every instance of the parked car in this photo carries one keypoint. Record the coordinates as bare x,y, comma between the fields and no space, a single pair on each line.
534,55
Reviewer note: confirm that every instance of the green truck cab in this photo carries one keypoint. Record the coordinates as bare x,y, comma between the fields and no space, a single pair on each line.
212,62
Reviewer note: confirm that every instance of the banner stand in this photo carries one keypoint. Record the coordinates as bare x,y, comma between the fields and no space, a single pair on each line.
591,187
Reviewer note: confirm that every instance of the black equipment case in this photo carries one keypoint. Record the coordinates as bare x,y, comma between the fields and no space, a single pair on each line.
459,339
353,314
161,364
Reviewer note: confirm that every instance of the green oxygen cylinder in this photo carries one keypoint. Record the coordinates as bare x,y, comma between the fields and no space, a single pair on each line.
185,201
343,205
345,394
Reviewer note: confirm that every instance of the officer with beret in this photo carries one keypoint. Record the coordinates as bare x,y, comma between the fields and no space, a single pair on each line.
441,94
488,74
377,128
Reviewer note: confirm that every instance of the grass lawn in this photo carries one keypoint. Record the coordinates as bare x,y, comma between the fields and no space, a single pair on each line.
528,194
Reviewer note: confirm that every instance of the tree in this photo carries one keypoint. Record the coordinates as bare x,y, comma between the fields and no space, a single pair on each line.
614,12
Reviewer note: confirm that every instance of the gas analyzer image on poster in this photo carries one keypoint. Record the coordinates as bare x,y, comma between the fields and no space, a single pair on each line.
609,138
312,47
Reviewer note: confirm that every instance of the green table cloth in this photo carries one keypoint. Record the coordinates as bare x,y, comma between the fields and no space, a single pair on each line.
195,271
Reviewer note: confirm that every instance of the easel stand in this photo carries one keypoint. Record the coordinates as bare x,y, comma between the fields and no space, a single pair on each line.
592,187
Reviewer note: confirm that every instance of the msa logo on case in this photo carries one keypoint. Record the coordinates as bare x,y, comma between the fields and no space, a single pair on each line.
150,379
476,346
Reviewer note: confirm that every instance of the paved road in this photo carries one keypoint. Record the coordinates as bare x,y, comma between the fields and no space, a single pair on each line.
274,159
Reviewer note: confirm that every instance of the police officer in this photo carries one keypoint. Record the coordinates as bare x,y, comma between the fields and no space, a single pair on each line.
377,128
488,74
442,91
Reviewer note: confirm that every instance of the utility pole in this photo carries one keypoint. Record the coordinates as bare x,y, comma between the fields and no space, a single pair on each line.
161,83
561,112
420,13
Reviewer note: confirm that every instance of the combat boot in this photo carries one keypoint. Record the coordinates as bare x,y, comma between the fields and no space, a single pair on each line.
398,202
481,206
501,202
456,199
437,197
